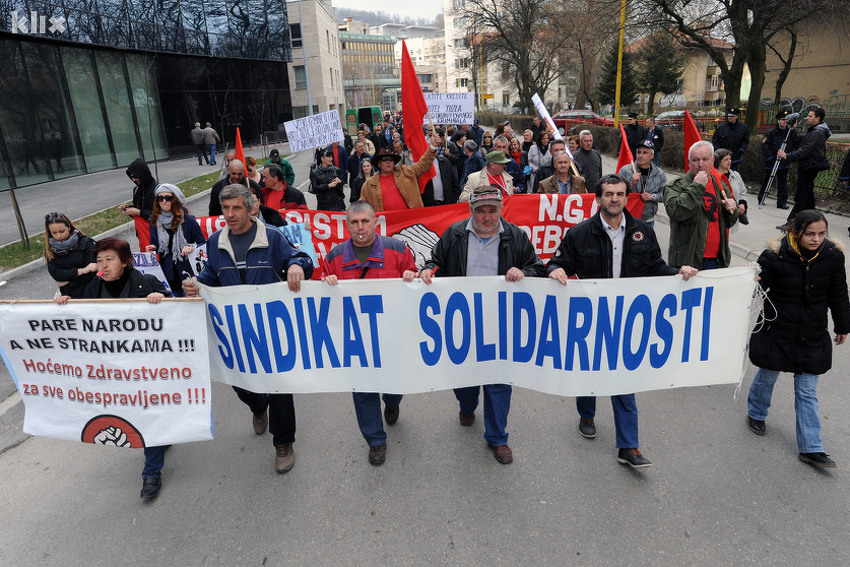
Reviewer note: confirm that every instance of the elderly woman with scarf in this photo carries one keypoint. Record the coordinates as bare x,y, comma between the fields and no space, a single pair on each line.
174,234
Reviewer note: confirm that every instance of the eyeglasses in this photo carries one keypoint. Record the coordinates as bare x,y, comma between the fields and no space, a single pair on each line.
488,137
164,198
54,217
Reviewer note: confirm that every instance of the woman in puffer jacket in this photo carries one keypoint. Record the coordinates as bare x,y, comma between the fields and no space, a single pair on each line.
803,275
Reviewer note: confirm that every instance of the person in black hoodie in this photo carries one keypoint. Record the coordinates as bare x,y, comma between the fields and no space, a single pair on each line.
141,176
69,255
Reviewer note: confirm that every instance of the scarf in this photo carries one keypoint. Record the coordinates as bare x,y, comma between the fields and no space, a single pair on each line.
60,248
178,242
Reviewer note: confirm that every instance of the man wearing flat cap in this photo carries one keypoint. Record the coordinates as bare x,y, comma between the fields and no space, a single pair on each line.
732,135
485,244
396,186
634,132
493,174
645,178
772,142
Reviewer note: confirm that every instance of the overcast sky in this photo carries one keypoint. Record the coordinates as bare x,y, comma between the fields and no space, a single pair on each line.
418,9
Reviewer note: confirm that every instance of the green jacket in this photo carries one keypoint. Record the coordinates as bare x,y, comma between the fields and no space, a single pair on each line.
288,172
683,200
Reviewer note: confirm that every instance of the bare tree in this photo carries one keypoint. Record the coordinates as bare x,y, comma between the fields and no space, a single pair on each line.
750,24
523,37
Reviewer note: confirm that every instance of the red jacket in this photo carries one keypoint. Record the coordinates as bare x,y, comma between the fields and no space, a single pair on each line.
389,259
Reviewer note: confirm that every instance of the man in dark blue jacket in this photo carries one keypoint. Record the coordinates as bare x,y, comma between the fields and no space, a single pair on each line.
247,252
732,135
612,244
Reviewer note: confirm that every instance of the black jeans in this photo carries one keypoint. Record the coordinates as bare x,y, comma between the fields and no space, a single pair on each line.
804,197
781,186
281,412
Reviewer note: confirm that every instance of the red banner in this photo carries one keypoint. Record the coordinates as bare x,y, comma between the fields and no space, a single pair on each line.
545,218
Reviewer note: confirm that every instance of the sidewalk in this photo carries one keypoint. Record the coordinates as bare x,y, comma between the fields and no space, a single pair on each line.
84,195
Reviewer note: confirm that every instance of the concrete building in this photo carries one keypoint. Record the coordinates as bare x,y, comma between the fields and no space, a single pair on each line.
369,71
429,59
315,32
820,72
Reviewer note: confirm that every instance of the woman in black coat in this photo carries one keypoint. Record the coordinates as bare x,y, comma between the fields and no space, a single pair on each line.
117,278
803,275
328,185
69,255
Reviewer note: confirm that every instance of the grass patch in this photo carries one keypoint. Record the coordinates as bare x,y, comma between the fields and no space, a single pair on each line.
17,254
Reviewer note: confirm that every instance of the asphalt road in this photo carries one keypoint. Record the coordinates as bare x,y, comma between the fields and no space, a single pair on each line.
716,495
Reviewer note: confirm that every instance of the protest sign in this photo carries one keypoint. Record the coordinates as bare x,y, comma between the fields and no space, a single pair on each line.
147,263
591,337
316,130
119,372
451,108
544,218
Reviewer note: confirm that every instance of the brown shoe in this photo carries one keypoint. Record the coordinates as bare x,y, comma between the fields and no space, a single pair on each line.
377,455
503,454
466,419
285,459
261,422
391,415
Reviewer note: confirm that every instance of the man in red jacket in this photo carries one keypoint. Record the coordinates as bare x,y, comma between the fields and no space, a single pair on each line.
368,255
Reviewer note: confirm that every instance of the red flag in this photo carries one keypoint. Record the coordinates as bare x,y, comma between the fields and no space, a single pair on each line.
692,136
240,153
143,231
414,108
626,157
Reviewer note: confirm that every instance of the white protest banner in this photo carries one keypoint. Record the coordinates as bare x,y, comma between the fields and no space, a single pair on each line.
592,337
126,373
198,258
316,130
147,263
451,108
544,114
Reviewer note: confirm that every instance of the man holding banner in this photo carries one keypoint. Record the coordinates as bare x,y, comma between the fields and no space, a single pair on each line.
247,252
368,255
485,245
612,244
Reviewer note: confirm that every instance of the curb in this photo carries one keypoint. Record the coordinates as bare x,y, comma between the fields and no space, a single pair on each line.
10,408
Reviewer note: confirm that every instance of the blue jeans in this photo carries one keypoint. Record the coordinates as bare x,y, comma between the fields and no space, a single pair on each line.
805,406
212,154
625,417
367,407
154,461
497,404
710,264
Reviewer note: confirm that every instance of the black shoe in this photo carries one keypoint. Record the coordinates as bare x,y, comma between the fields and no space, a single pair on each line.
150,488
783,206
391,415
742,218
377,455
587,428
783,227
633,458
756,426
819,460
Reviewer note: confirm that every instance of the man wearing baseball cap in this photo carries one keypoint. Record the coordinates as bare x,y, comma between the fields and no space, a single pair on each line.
492,175
732,135
649,180
485,244
285,167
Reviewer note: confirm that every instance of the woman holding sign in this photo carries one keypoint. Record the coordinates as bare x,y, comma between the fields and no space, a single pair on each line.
174,235
803,276
117,278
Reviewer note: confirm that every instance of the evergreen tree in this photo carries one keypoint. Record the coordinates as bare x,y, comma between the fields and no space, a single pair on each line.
660,64
607,88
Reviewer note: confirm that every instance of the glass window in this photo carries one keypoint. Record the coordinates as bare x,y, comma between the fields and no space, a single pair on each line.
300,77
140,69
54,114
83,87
110,67
295,34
